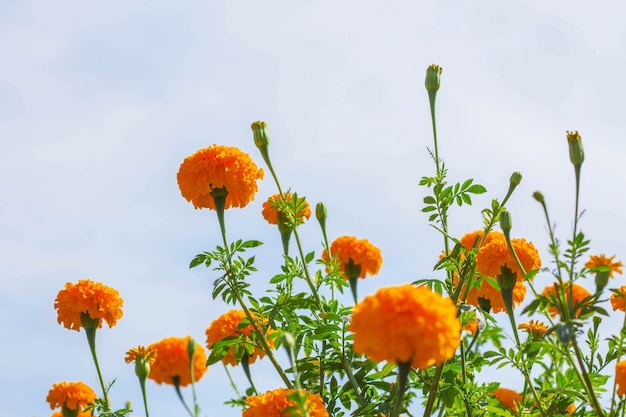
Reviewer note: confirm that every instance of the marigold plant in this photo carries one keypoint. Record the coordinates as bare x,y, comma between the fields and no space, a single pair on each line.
171,365
274,404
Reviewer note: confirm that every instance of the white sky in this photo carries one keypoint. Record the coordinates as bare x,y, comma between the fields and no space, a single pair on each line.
101,101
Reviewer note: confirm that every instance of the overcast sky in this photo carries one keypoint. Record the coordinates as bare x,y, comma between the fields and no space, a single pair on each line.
101,101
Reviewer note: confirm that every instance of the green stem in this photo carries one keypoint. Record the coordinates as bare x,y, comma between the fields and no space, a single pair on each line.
468,409
433,390
583,377
180,396
142,383
618,357
403,373
577,172
232,381
91,340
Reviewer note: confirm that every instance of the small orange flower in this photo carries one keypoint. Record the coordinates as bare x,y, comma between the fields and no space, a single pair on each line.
508,398
273,404
602,260
86,296
270,213
570,409
406,324
579,293
228,325
488,292
140,353
620,377
218,167
172,362
618,299
534,328
80,414
72,395
360,251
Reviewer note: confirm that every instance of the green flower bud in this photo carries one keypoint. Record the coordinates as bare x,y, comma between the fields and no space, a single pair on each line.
191,348
505,222
433,77
321,213
506,281
539,197
602,278
516,178
261,136
576,154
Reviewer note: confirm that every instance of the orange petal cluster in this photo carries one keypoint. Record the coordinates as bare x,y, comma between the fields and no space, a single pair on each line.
72,395
228,325
579,293
140,353
80,414
603,260
361,251
273,404
270,213
406,324
618,299
86,296
620,378
217,167
172,361
534,328
495,253
508,398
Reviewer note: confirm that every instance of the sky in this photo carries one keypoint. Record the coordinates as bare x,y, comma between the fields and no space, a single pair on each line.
101,101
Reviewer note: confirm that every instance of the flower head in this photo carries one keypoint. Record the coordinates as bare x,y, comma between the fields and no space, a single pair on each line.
172,362
80,414
495,253
143,359
218,167
579,293
618,298
508,398
597,261
358,252
273,404
227,325
620,378
271,213
71,395
94,298
535,329
406,324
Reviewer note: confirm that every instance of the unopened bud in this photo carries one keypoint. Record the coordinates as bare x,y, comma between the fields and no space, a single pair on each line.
261,136
602,278
191,348
516,178
539,197
505,222
576,154
321,213
433,77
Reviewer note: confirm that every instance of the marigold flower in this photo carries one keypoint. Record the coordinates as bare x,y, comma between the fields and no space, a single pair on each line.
488,292
406,324
72,395
579,293
86,296
602,260
360,251
494,254
570,409
172,362
80,414
468,239
218,167
620,377
270,213
534,328
618,299
508,398
228,325
273,404
143,359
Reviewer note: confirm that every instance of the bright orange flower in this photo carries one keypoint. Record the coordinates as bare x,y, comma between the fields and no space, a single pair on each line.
618,299
487,292
81,414
495,254
72,395
602,260
468,239
270,213
86,296
360,251
508,398
620,377
140,353
273,404
406,324
228,325
218,167
579,293
534,328
570,409
172,362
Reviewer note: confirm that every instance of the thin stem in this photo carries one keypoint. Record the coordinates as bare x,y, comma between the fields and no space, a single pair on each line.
468,409
232,381
432,392
182,400
142,383
577,172
91,340
403,373
619,356
592,396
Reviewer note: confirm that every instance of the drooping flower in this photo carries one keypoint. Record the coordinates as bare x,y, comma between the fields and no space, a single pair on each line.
172,362
535,329
406,324
618,299
620,377
488,295
271,214
227,325
219,167
273,404
356,252
579,293
94,298
602,260
508,398
71,395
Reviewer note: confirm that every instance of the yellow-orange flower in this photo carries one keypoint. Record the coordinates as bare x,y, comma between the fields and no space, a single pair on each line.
360,251
508,398
602,260
141,353
86,296
228,325
534,328
273,404
570,409
488,292
495,254
172,362
270,213
579,293
72,395
618,299
80,414
406,324
218,167
468,239
620,377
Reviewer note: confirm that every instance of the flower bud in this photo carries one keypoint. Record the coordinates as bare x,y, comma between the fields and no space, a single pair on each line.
321,213
191,348
261,136
576,154
507,280
433,77
505,222
539,197
564,333
516,178
602,278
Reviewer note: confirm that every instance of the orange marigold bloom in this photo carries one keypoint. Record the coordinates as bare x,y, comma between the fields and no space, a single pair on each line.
273,404
228,325
488,292
579,293
406,324
570,409
620,377
172,361
80,414
218,167
618,299
270,213
468,239
86,296
495,253
535,328
72,395
140,353
360,251
508,398
602,260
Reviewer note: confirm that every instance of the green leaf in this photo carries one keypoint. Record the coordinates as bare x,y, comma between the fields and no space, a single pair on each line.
477,189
